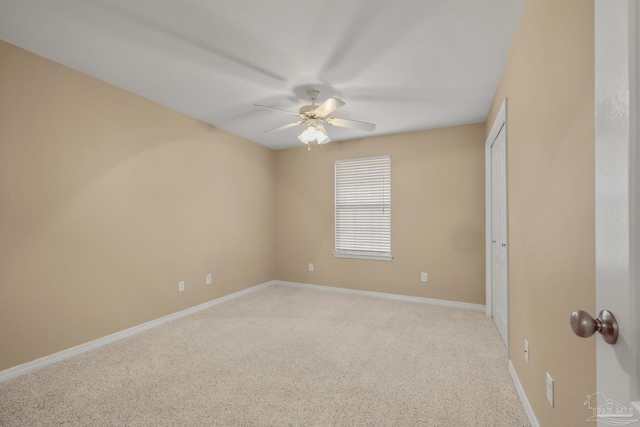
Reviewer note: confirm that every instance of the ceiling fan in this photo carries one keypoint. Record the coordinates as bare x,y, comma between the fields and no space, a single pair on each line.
313,116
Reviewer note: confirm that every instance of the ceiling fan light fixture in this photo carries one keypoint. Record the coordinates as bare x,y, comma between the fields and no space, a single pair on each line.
308,135
322,137
314,133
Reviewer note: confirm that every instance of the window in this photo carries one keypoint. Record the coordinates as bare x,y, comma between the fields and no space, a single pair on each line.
363,208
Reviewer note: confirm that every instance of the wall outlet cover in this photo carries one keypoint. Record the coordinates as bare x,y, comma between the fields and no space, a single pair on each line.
550,389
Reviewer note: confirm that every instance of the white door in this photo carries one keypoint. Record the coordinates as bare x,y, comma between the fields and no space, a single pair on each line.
617,213
499,301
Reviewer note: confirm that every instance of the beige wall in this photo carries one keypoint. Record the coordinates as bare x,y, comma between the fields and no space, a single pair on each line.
549,82
107,200
437,215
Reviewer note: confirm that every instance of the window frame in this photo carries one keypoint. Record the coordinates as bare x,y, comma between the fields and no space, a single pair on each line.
386,186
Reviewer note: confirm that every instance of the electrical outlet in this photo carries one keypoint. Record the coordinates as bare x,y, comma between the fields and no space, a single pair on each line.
550,389
310,267
181,286
208,279
526,350
423,277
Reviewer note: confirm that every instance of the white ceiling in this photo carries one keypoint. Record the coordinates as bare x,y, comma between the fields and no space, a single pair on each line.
405,65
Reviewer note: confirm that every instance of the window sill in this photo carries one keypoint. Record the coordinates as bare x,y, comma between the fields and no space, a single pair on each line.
363,256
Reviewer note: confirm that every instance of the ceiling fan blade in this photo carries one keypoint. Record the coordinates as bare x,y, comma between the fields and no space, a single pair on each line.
354,124
328,107
283,127
277,109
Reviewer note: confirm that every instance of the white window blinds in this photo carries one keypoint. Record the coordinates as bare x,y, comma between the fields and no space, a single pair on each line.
363,208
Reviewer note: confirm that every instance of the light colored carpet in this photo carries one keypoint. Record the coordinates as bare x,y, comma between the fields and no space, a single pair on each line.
283,356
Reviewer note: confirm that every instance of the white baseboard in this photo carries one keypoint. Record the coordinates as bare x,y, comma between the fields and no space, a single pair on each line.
82,348
523,397
445,303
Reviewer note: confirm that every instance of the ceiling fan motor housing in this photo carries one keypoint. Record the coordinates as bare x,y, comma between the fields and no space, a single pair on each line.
308,112
315,115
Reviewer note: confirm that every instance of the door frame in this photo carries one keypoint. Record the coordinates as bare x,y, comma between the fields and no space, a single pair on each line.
618,195
499,123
